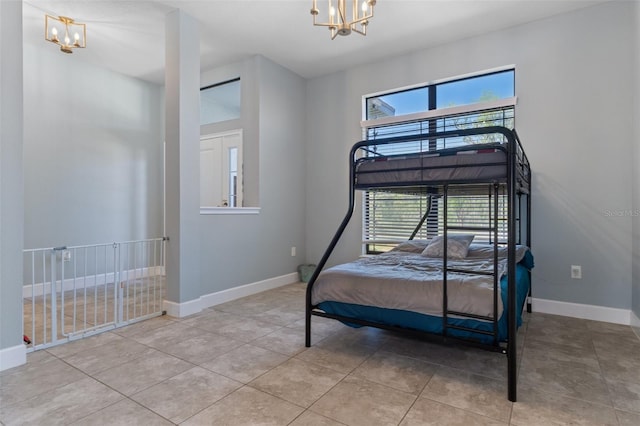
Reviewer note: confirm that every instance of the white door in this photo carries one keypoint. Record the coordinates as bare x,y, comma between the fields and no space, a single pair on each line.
221,170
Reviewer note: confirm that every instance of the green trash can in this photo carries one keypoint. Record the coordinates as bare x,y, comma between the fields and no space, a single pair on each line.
305,272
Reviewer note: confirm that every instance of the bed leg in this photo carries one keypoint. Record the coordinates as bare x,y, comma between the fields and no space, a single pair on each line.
530,295
512,356
307,328
512,378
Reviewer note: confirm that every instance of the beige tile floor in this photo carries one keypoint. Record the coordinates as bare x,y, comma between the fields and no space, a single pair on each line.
244,363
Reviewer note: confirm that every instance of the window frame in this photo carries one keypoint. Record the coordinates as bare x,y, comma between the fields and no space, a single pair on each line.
431,118
220,84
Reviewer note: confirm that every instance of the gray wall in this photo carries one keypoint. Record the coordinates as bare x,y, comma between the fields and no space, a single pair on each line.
635,305
93,153
242,249
11,182
182,154
574,115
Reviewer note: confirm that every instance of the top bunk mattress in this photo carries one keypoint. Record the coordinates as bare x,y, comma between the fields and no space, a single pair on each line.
480,163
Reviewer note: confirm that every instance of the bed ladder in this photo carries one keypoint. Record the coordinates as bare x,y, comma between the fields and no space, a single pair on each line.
492,229
425,216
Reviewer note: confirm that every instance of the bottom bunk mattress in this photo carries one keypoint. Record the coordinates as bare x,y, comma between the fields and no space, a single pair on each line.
404,289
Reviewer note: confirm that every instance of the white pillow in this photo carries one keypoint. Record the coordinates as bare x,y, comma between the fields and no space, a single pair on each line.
457,246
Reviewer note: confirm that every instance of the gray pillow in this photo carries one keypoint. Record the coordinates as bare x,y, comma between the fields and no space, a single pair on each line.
411,246
457,246
485,251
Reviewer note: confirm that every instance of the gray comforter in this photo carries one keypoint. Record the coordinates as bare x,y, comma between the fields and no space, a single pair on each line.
409,281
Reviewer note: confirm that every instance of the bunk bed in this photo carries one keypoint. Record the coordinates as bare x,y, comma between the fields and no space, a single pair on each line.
446,288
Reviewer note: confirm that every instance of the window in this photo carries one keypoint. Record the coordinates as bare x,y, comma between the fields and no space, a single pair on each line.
476,101
220,102
220,170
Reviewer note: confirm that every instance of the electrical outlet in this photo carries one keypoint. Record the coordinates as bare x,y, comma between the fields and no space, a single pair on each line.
576,272
293,251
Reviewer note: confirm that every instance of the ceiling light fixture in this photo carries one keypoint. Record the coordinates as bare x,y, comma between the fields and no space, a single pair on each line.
337,18
60,31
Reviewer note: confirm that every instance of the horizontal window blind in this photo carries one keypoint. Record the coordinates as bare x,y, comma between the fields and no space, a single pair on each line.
503,116
477,211
392,217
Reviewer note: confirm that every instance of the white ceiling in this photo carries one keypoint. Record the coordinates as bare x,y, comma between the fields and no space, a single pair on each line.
128,36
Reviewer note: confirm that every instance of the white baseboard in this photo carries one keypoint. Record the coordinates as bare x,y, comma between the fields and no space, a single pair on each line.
184,309
191,307
90,281
13,357
577,310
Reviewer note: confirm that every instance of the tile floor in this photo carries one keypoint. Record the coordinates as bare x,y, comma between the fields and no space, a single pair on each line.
244,363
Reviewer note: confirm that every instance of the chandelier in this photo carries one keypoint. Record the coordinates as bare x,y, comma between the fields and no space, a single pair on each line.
65,32
340,21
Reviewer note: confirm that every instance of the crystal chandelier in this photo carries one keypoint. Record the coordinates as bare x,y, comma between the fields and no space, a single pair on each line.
65,32
340,21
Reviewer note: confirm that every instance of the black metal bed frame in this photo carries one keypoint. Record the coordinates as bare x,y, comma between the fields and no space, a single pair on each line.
517,182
